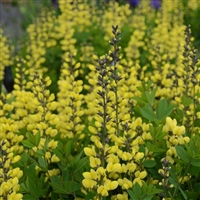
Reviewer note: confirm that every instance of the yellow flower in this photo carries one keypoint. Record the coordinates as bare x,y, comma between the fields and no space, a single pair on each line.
131,167
53,172
16,172
139,156
92,175
90,151
179,130
14,196
54,159
102,190
94,162
113,167
140,175
5,187
89,183
123,196
125,183
126,156
92,129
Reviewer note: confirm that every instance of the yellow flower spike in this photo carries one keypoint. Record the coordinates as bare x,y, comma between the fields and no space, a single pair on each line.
186,139
123,196
173,140
126,117
179,130
112,158
7,164
51,97
5,187
126,184
92,129
53,172
90,184
14,196
131,167
101,171
98,124
53,105
110,185
51,132
102,190
139,156
171,124
47,155
88,175
36,117
126,156
90,151
8,107
113,167
113,149
10,155
123,168
16,172
77,65
14,181
52,144
94,162
137,180
54,159
111,130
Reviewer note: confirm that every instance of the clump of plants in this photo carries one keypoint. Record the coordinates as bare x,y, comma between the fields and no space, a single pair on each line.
110,113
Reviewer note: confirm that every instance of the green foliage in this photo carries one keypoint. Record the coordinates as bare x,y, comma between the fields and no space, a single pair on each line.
146,192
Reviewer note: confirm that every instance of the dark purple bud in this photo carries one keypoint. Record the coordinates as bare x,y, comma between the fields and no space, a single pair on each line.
134,2
54,3
156,3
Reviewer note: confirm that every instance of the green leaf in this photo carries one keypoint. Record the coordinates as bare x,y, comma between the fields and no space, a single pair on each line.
37,138
58,188
45,145
28,144
173,177
197,123
72,186
132,195
149,163
150,96
30,184
148,113
140,100
23,188
196,162
163,110
39,153
149,197
182,192
68,147
137,189
42,163
182,153
28,197
66,175
30,137
154,148
186,101
173,182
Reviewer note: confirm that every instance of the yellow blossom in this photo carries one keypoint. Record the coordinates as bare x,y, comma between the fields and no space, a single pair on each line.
89,183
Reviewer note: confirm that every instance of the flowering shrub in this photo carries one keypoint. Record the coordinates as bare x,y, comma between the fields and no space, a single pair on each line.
105,106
